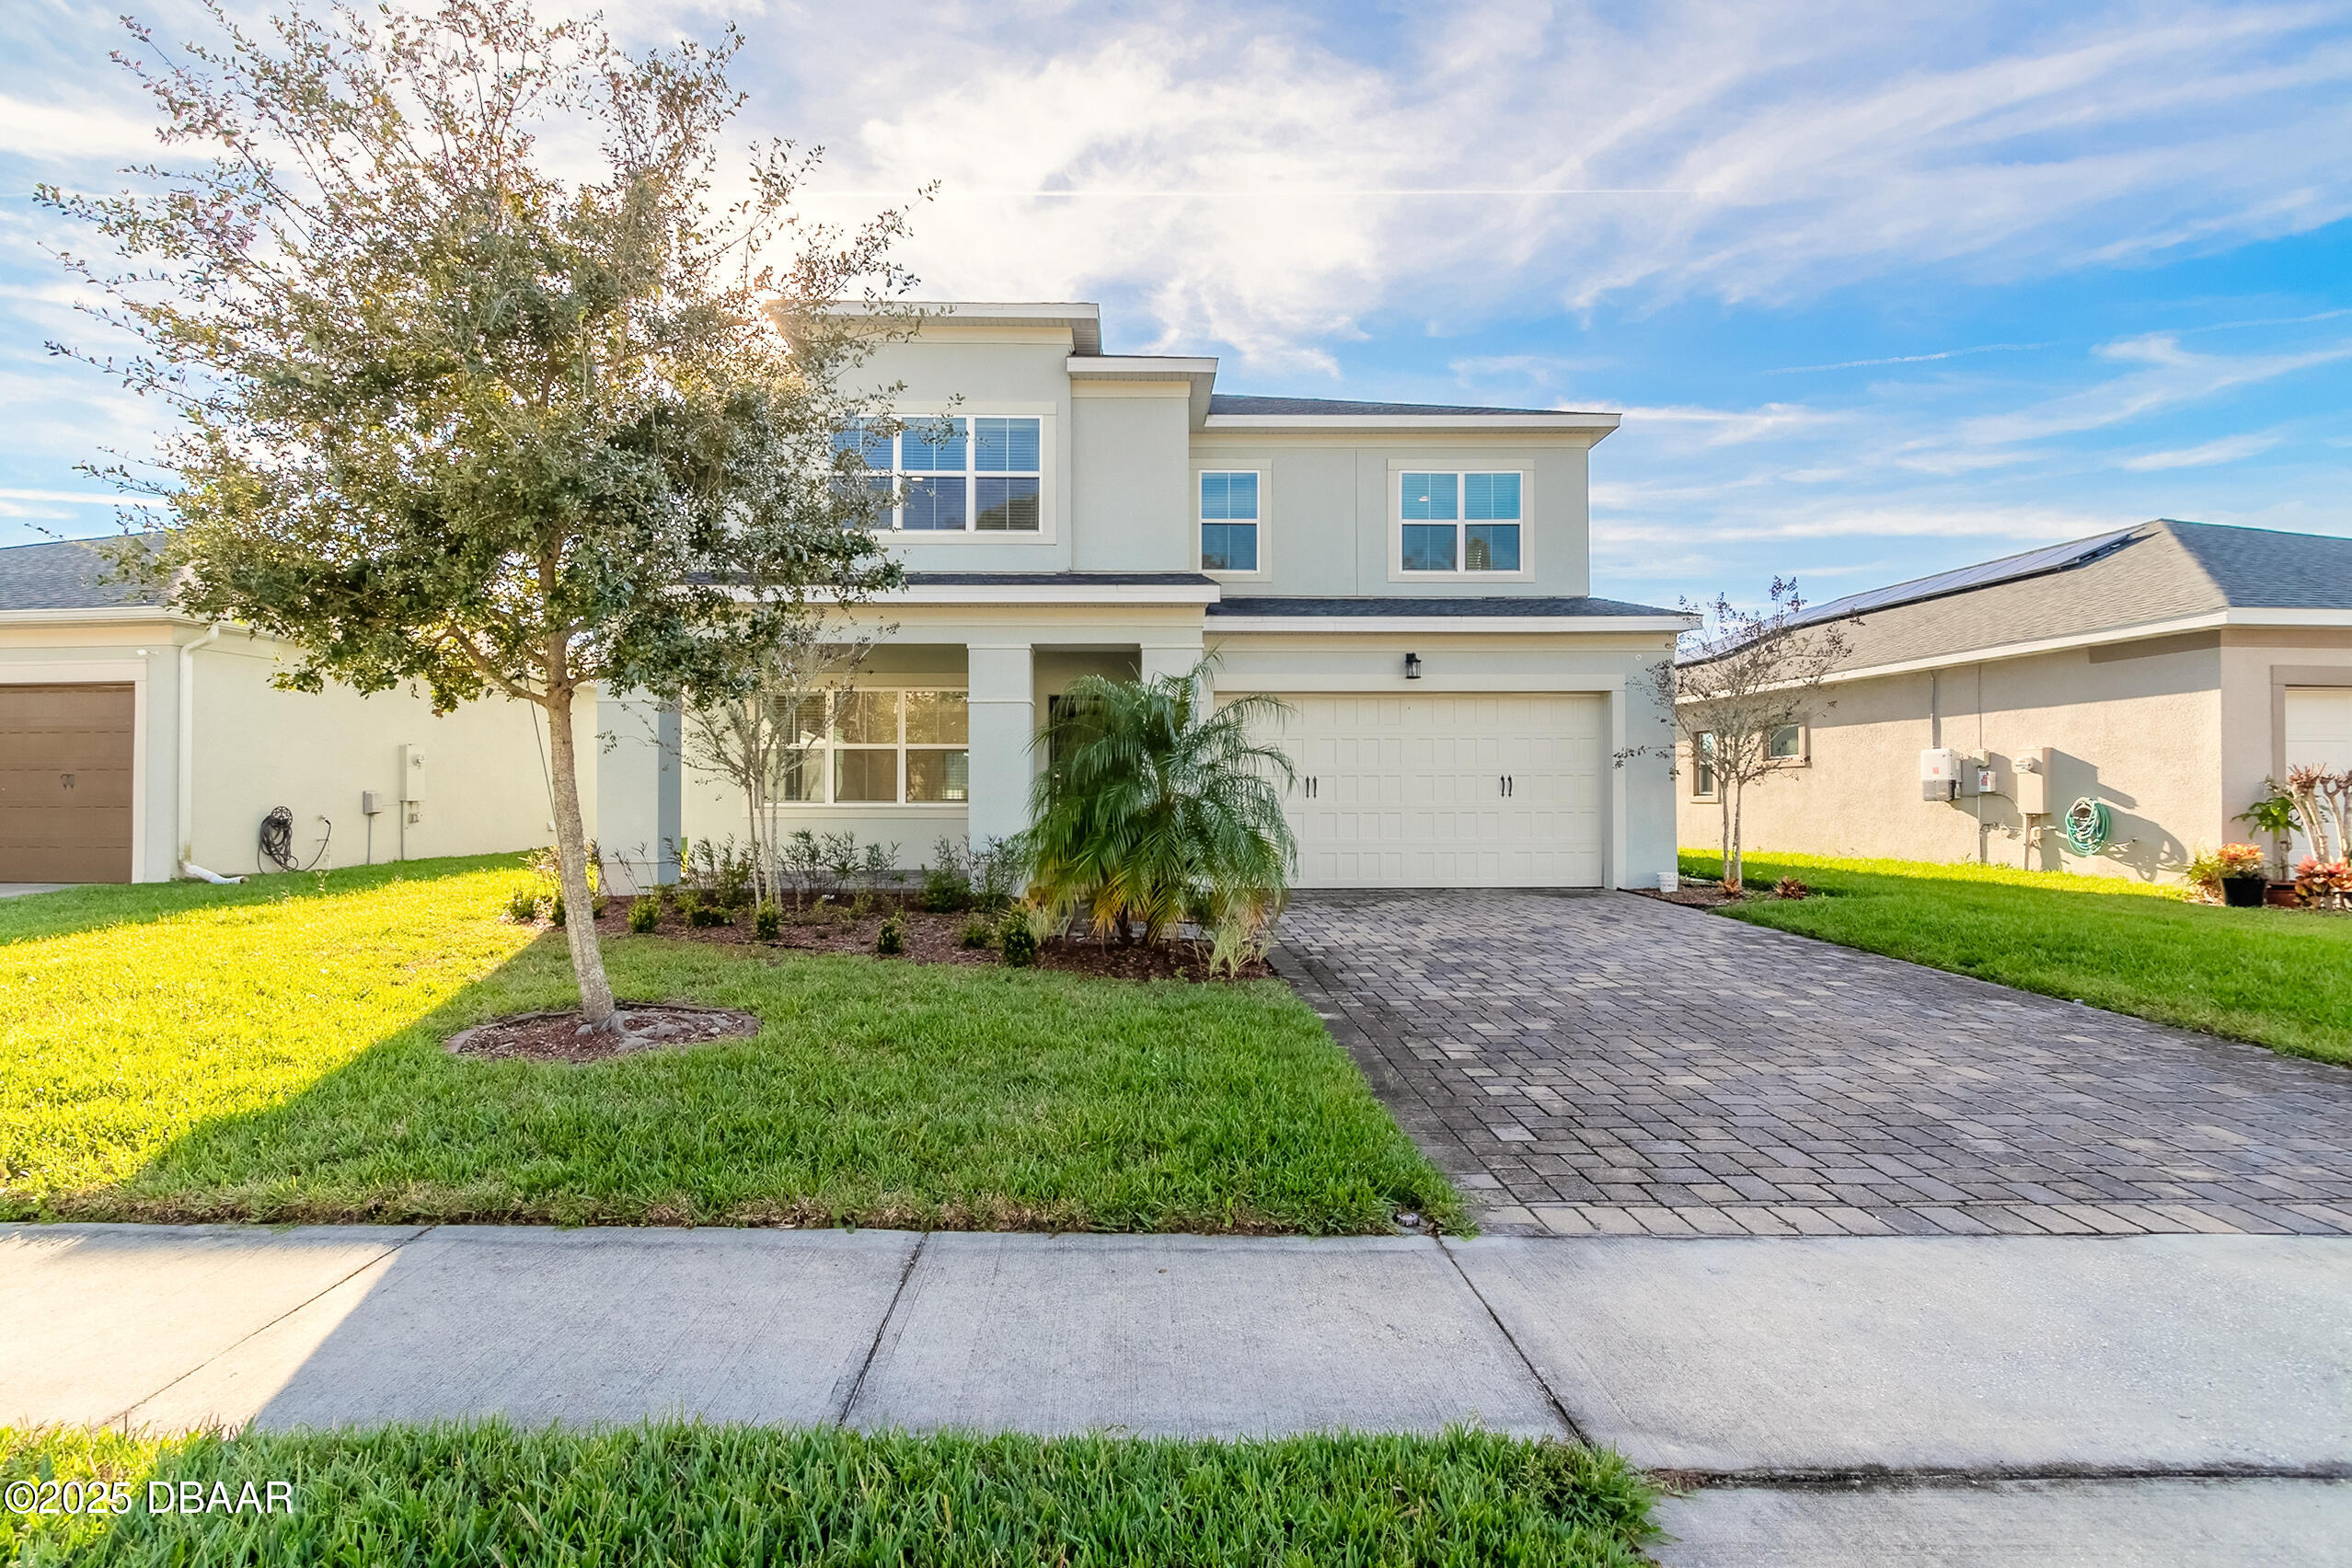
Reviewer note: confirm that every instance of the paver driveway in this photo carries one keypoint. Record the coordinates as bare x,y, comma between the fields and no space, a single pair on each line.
1585,1063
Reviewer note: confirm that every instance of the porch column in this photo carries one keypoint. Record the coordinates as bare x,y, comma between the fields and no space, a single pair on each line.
1003,707
638,786
1174,656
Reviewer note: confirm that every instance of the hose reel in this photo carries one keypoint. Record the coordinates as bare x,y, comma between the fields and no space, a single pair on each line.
2087,824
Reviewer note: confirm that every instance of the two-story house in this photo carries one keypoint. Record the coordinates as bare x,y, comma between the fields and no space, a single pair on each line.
1411,580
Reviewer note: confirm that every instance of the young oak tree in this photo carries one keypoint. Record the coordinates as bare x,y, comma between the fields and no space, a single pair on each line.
475,390
1739,680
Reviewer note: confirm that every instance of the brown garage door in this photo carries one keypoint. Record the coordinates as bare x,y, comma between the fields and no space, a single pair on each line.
66,783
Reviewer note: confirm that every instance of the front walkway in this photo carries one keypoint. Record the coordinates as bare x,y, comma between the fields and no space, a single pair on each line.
1947,1400
1611,1064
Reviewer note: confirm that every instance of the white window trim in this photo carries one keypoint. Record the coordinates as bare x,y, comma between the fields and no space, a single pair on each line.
1265,562
1400,467
1048,466
821,755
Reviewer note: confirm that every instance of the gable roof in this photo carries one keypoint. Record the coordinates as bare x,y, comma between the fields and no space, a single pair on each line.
2158,572
70,574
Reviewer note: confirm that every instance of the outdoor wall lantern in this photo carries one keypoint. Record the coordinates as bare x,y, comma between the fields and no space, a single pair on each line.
1412,666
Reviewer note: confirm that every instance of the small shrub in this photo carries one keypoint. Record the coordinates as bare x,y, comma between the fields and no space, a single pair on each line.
768,921
523,906
644,915
1016,939
709,915
861,903
891,939
945,890
1790,887
977,933
555,910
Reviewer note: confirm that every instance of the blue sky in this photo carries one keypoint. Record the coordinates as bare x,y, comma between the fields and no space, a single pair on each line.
1877,295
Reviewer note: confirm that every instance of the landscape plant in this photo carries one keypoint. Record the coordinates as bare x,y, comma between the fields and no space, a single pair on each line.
2273,815
473,389
1737,681
1159,801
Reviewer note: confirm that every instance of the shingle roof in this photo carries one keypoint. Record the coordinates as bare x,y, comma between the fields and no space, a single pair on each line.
1230,403
1268,605
70,574
2156,571
1050,579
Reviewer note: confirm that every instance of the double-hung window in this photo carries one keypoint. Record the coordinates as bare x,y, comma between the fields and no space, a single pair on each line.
1702,764
1463,521
955,476
1230,521
876,745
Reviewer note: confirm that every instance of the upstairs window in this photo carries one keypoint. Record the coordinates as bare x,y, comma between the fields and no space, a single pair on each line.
1230,521
1460,522
957,476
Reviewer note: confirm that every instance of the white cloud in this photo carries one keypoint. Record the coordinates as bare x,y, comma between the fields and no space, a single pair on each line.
1230,154
2228,449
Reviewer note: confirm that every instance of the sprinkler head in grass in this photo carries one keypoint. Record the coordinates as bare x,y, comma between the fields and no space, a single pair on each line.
1408,1220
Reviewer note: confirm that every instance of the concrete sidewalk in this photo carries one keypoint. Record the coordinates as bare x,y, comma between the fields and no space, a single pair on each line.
2155,1399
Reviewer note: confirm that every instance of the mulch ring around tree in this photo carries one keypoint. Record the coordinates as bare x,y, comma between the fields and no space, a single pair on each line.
562,1037
935,938
1693,893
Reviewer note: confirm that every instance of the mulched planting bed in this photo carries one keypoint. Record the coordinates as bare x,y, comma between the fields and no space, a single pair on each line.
936,938
1696,895
558,1036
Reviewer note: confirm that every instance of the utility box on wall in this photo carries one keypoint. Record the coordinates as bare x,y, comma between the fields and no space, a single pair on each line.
2033,786
412,782
1939,774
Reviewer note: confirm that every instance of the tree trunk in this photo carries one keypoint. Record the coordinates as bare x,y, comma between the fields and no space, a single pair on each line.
1737,879
571,855
1723,805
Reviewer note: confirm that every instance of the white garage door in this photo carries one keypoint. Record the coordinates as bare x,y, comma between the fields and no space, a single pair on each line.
2319,733
1477,790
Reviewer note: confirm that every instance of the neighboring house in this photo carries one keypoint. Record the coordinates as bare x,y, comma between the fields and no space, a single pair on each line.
133,741
1412,580
2163,671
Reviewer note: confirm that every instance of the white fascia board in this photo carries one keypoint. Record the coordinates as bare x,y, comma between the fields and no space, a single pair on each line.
1138,367
1309,625
1031,594
2211,621
1594,425
1082,318
97,615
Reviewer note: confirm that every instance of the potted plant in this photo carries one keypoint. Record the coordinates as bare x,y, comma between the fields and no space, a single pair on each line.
2243,881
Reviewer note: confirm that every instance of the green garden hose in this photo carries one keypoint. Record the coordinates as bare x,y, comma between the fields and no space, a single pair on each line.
2087,826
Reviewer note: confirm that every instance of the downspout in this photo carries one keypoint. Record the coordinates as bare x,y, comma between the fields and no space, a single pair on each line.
187,755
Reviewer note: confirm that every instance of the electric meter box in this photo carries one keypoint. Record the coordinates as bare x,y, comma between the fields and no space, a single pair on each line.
1940,774
2033,786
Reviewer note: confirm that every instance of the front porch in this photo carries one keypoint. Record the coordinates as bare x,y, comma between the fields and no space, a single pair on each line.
937,738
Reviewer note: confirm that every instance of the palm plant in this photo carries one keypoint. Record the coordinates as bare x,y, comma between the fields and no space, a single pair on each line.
1157,803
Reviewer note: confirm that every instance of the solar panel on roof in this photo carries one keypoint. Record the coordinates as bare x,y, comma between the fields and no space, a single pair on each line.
2009,568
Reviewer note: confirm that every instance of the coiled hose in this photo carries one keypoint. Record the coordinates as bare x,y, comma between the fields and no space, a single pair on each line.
2087,826
277,840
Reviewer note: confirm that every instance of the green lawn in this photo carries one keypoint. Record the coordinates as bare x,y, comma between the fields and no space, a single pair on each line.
2278,977
464,1495
273,1051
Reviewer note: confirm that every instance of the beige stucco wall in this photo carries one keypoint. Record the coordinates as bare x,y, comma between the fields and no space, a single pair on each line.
1328,507
2140,727
257,748
2258,663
